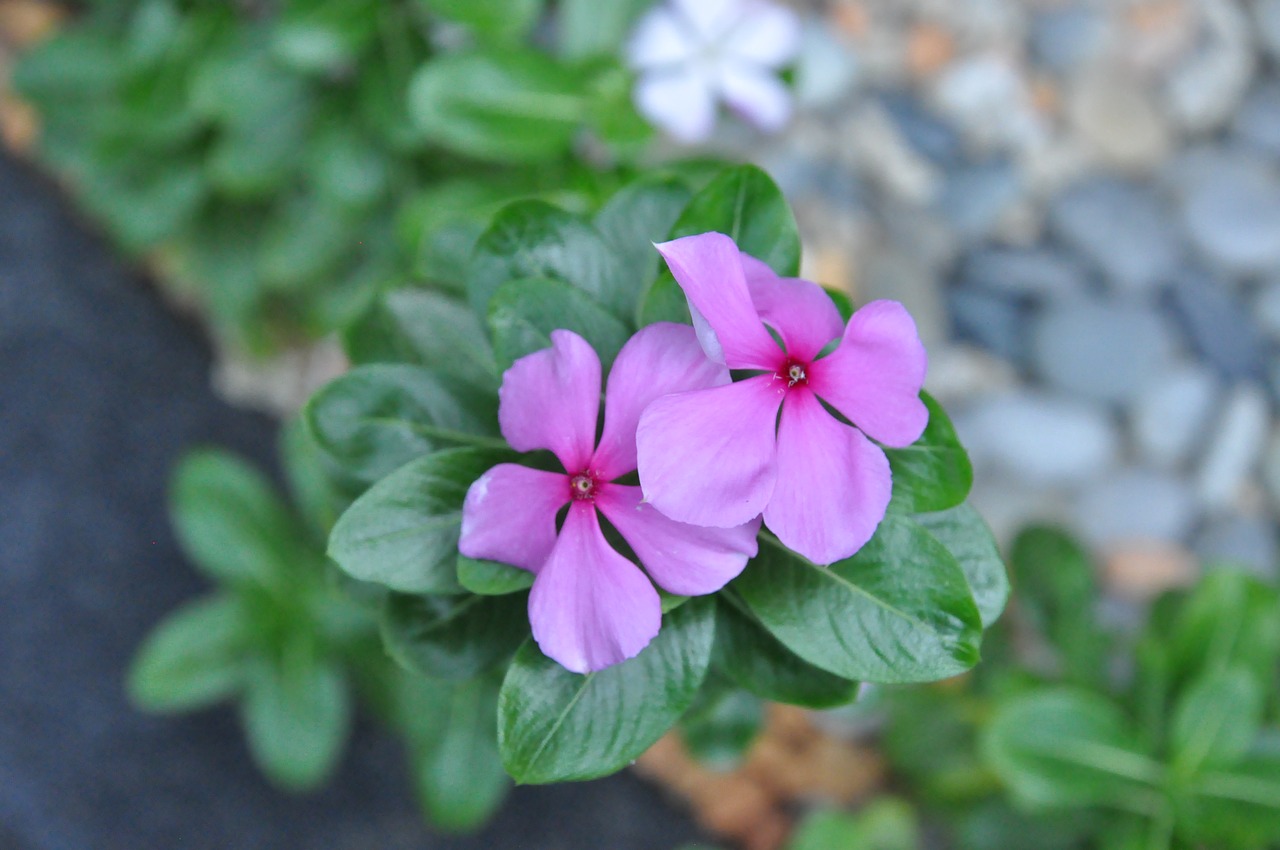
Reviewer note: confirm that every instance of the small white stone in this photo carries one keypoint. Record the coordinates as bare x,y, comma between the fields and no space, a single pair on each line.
1204,91
1114,112
1235,448
959,372
1171,413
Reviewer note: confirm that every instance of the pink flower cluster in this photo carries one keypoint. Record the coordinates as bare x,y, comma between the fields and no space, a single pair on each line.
790,444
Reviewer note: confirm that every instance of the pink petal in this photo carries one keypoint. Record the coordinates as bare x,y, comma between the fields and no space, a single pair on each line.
755,94
590,607
685,559
550,400
662,358
510,515
680,100
874,377
766,34
801,312
833,483
706,456
708,268
661,38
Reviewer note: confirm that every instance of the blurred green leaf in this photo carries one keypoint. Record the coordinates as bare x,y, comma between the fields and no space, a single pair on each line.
591,28
493,21
639,214
193,658
523,313
1216,720
883,824
721,725
453,637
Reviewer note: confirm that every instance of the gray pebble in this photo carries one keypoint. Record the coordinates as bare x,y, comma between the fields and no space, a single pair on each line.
1028,272
1218,324
1136,504
974,198
1238,438
1257,124
1234,219
1062,39
993,321
1239,541
1267,17
1171,413
1266,307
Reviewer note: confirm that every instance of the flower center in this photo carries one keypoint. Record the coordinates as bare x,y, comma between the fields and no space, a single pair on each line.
793,373
582,487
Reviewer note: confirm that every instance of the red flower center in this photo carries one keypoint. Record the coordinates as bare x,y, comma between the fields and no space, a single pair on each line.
582,487
793,372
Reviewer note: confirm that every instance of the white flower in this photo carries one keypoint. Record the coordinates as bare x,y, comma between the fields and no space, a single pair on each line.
691,53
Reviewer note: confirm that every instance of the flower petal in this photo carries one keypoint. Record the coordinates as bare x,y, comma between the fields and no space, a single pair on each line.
687,559
708,268
706,456
875,375
661,38
766,34
510,515
550,400
590,607
800,311
708,20
833,483
755,94
662,358
680,100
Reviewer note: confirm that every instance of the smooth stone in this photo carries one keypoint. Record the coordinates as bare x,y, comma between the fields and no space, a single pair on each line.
1064,38
1204,90
1238,438
1122,227
1271,469
993,321
1041,438
1028,272
924,131
986,97
1115,113
1239,541
1171,413
1100,350
1202,164
1266,14
827,69
1008,503
902,277
1266,307
960,373
924,234
1219,325
1136,504
877,149
1142,569
1257,124
1234,219
975,197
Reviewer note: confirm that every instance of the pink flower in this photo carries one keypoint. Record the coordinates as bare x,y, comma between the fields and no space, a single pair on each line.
719,456
689,53
590,607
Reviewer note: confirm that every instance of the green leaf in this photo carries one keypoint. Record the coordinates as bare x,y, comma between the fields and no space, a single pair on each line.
490,578
230,521
376,418
457,772
1216,720
523,313
663,301
883,824
1062,747
494,21
933,473
324,36
591,28
296,713
194,658
744,203
897,611
721,725
1229,620
316,496
514,105
1239,807
757,661
556,726
453,637
403,532
77,64
533,239
639,214
962,530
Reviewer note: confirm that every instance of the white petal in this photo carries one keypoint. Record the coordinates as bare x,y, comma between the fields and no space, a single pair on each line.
710,19
661,38
756,95
680,101
766,35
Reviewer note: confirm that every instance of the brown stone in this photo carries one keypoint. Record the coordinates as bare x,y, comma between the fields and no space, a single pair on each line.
1142,569
24,22
930,48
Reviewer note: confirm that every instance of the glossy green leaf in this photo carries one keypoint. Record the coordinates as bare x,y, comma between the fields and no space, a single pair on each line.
933,473
897,611
452,731
490,578
494,21
523,313
533,239
194,658
514,105
1062,747
967,537
639,214
403,532
453,637
744,203
230,521
376,418
296,713
1216,720
757,661
556,726
721,725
